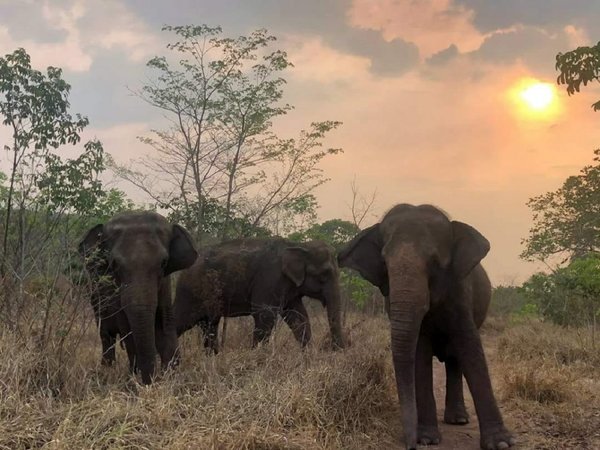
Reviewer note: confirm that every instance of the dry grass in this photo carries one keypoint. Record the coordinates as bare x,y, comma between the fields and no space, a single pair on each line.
279,397
550,385
540,383
272,397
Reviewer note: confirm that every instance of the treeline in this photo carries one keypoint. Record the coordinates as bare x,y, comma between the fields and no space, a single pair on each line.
219,169
568,296
565,238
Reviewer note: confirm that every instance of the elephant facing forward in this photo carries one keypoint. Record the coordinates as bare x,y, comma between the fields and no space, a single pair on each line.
263,278
429,270
129,259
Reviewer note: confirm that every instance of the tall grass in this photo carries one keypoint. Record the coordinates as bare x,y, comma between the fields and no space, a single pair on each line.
550,380
275,396
54,394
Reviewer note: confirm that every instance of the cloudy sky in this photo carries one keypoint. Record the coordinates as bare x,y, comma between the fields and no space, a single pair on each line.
428,92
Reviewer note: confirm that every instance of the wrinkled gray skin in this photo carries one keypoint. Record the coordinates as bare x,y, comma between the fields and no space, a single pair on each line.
262,278
438,294
138,251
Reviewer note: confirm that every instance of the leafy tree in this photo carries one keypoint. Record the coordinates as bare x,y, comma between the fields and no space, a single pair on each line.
214,214
44,198
570,295
35,109
579,66
221,95
567,221
336,232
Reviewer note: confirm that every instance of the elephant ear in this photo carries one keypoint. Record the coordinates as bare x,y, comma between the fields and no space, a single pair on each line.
363,254
293,264
182,253
92,240
93,249
469,248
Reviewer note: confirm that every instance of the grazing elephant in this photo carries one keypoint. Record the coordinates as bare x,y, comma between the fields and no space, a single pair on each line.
138,251
429,270
262,278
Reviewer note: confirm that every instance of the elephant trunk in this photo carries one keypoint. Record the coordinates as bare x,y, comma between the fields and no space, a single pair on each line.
334,315
408,303
140,301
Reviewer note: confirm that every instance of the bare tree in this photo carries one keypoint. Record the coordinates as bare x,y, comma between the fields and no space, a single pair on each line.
220,98
360,206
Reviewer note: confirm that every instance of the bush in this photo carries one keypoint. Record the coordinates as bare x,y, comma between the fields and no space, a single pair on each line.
507,300
569,296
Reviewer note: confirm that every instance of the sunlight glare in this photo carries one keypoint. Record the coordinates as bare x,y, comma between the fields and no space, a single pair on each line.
538,96
533,99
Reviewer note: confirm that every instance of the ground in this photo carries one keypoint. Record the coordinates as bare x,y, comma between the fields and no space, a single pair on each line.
55,395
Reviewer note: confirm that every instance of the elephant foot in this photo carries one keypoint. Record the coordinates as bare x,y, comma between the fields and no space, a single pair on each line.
456,415
428,435
497,438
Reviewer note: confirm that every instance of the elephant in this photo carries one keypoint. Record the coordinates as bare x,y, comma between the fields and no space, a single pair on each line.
263,278
428,269
129,259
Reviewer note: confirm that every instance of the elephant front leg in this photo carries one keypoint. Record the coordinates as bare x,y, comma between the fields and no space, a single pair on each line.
427,429
165,335
108,346
471,358
296,318
264,321
130,349
455,412
127,339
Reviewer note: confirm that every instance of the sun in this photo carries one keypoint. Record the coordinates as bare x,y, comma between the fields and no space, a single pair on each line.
538,96
534,100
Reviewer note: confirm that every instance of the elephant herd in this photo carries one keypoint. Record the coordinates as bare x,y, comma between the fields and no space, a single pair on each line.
426,266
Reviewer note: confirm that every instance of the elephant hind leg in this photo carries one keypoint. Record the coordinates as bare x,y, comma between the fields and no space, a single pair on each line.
455,412
210,334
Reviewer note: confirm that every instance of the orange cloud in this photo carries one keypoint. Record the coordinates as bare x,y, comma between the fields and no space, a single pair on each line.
433,25
315,61
457,140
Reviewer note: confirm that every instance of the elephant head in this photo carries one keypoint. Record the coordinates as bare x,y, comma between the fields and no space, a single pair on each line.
313,269
139,249
414,255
